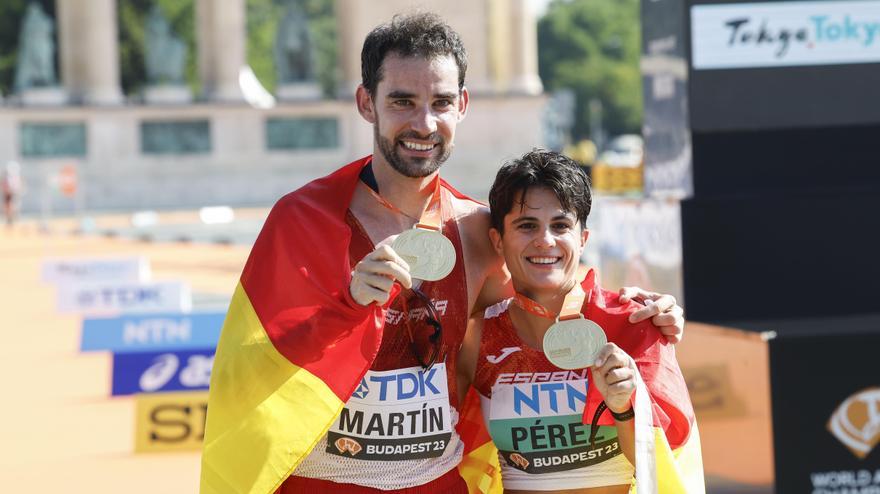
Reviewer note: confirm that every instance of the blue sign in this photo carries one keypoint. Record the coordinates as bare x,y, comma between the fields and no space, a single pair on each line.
159,372
153,332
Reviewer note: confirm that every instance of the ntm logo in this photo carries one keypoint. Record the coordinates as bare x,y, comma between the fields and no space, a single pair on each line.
402,385
157,330
551,395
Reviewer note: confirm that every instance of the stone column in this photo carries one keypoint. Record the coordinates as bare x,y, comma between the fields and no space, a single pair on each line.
221,37
88,41
523,49
350,41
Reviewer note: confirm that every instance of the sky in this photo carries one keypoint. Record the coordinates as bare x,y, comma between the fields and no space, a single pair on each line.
540,6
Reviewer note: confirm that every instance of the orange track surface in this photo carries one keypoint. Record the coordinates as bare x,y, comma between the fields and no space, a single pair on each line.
60,431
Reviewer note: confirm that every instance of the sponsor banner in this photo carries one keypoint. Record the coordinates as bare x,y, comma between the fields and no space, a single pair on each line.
780,34
538,426
401,414
132,297
152,332
159,372
728,379
826,418
170,422
63,271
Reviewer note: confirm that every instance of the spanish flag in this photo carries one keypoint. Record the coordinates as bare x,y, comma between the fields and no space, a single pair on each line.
294,346
669,439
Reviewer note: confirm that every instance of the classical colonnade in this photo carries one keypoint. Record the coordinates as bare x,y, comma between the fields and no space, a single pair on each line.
500,36
88,43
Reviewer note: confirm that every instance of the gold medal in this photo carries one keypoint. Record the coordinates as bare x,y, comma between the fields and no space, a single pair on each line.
430,255
574,343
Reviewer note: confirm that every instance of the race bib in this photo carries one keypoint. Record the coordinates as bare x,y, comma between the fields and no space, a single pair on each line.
537,427
395,415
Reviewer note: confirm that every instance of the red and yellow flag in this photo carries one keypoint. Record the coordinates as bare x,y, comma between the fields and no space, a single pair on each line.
677,456
294,345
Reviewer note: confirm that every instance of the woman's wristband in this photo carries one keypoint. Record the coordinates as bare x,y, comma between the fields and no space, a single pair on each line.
623,417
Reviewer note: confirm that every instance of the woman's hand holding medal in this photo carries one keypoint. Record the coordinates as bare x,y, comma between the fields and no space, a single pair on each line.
614,375
374,276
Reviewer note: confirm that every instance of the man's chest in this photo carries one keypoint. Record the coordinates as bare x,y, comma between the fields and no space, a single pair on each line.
378,227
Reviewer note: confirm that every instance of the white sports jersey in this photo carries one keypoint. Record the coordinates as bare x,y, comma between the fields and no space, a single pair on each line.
396,431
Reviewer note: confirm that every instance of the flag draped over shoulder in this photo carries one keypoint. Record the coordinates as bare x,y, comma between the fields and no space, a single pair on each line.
294,345
678,458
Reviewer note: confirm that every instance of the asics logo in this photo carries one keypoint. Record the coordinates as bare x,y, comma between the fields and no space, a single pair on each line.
856,422
505,352
160,373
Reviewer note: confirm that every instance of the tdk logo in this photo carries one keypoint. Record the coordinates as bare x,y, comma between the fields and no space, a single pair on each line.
552,394
121,296
362,390
405,384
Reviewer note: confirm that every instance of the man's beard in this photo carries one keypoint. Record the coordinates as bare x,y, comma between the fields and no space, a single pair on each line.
411,167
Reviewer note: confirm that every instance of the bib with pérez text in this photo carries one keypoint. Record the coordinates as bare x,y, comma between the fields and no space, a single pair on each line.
394,415
538,428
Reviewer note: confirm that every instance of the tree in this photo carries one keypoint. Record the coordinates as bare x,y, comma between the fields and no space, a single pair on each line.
593,48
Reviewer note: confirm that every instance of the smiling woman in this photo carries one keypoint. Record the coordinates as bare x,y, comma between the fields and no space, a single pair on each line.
545,410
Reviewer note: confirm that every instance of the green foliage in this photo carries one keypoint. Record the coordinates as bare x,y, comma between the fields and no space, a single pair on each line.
593,48
263,17
11,20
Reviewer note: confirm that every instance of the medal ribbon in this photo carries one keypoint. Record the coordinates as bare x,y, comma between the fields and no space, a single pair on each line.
571,305
430,217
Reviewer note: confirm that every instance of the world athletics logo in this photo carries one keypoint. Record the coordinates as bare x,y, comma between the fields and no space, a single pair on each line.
856,422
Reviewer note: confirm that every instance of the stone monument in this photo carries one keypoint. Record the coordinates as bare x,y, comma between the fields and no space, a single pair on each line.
36,82
294,54
164,60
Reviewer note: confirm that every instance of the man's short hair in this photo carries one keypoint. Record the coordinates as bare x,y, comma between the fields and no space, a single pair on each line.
540,168
423,35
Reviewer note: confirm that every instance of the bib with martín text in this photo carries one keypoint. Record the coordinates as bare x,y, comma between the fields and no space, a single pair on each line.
394,415
537,427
